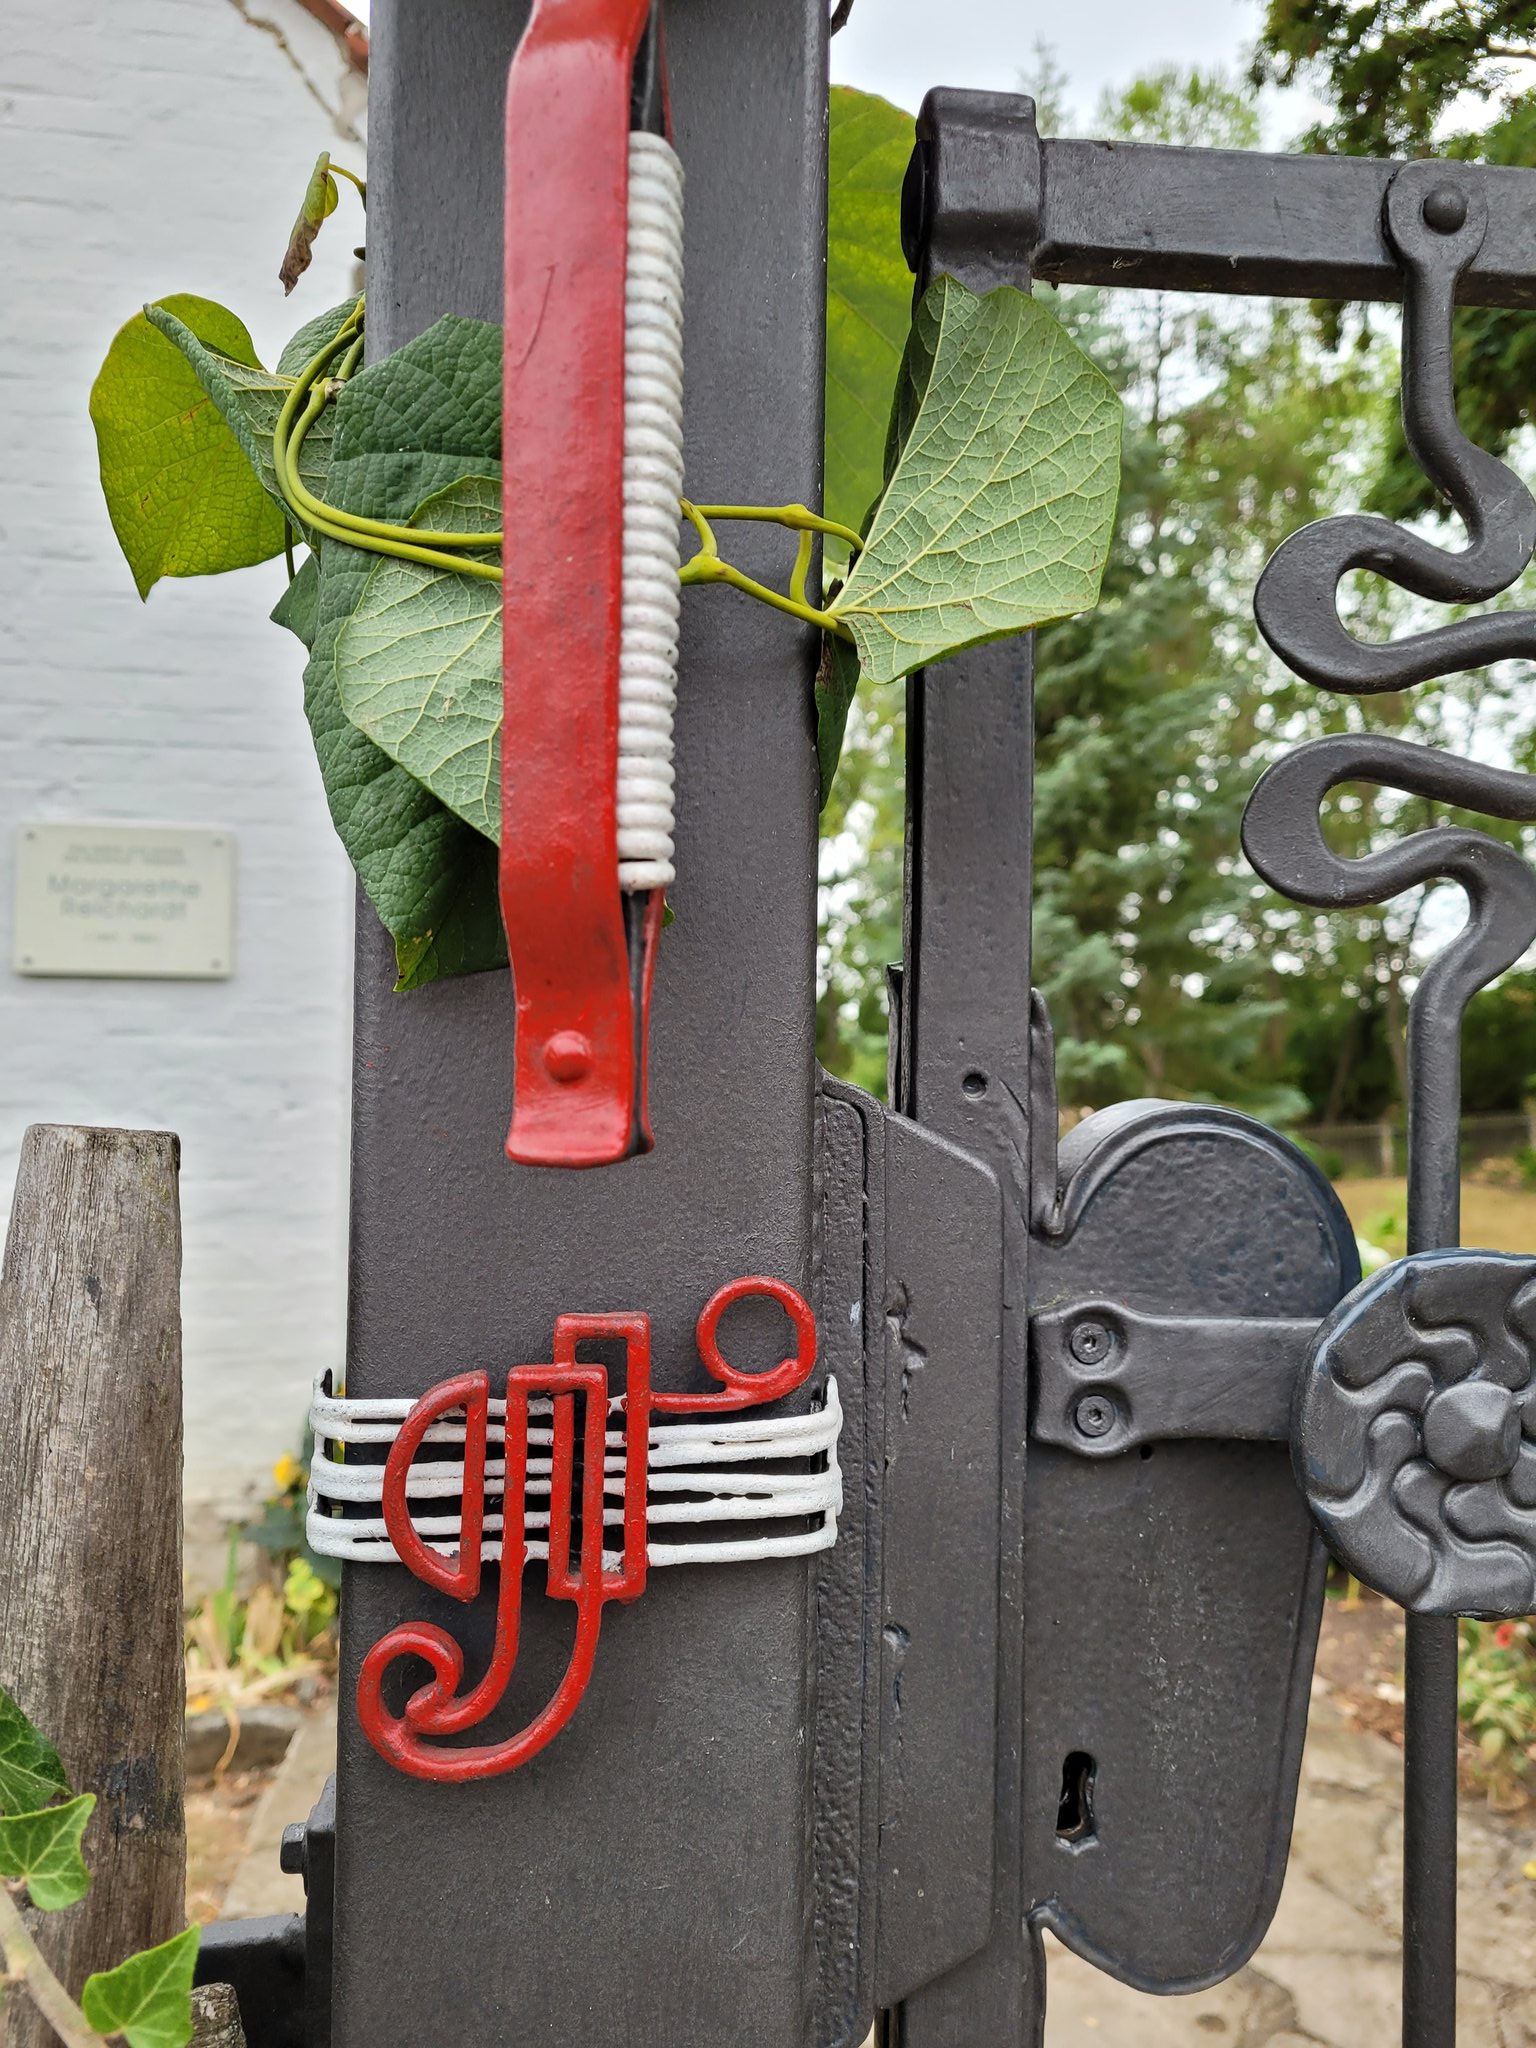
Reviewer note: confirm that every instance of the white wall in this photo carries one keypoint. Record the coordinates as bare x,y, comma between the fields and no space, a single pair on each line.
149,147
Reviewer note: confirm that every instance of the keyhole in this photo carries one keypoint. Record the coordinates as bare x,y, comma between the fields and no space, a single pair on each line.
1074,1815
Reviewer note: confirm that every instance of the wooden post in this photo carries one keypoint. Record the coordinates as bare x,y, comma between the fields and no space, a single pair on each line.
90,1521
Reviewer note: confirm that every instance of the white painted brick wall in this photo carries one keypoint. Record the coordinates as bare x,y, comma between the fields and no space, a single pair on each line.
149,147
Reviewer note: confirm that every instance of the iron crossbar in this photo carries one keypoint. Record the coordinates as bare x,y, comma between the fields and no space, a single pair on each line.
1196,220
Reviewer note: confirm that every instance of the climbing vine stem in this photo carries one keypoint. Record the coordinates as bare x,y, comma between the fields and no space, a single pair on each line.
708,567
25,1967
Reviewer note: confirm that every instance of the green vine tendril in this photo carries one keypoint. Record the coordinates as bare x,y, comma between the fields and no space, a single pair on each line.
318,383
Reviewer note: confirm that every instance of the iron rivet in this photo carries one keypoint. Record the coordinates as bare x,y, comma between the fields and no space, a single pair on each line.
568,1056
1445,210
1094,1415
1088,1343
974,1083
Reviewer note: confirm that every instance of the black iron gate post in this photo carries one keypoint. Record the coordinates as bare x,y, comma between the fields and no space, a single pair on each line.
647,1876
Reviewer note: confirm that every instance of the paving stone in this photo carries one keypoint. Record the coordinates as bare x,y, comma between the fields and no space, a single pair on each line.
1086,2009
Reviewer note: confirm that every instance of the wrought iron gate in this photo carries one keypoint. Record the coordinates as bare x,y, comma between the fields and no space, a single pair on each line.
855,1784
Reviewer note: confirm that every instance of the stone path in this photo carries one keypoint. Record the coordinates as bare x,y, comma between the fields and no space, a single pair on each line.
1327,1973
1326,1976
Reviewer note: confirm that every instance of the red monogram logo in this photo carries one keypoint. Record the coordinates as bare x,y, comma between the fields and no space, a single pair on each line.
410,1739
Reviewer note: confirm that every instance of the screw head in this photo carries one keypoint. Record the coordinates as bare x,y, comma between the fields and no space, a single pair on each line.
1089,1342
1094,1415
1445,210
568,1056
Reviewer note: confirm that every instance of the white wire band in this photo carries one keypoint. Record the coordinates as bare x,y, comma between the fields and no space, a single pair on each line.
653,484
700,1473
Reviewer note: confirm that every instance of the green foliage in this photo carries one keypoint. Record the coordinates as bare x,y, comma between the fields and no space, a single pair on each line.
178,484
1498,1703
43,1849
1003,467
148,1999
30,1772
869,295
418,664
998,501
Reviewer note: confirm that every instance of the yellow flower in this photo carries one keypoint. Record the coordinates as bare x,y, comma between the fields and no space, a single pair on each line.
1529,1871
287,1472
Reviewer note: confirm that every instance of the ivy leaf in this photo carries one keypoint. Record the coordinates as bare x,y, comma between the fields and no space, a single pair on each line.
30,1771
837,679
320,202
177,481
148,1999
869,294
249,400
44,1849
418,663
406,428
1001,500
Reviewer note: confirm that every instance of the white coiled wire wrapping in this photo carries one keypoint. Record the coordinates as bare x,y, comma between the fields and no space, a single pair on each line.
750,1469
653,484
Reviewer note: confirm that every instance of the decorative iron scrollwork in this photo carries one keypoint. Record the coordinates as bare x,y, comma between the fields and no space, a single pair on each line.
1408,1432
1415,1436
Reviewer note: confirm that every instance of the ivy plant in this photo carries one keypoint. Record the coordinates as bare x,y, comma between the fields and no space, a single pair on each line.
972,472
147,2000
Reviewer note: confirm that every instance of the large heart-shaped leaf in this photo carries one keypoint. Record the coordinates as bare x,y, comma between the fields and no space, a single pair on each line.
178,483
1001,499
30,1771
869,294
418,663
406,429
148,1999
44,1850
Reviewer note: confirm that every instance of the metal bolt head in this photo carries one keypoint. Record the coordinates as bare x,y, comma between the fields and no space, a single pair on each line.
1094,1415
1089,1343
1445,210
568,1056
292,1855
1472,1431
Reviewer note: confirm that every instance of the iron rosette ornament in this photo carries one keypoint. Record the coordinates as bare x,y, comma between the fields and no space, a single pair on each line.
1415,1433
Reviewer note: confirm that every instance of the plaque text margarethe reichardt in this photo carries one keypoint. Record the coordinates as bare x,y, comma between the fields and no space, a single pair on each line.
153,902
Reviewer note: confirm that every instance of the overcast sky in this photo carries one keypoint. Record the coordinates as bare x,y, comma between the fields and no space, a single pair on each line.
901,47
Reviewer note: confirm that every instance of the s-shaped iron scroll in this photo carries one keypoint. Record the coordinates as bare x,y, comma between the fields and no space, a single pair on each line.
540,1417
1435,218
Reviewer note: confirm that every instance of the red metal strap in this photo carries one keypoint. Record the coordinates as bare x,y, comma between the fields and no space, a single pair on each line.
577,1098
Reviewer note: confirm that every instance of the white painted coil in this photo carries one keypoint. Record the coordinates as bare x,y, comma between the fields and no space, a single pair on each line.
653,484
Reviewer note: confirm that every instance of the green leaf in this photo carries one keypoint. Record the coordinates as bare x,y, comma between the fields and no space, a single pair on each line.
1001,502
869,294
179,488
406,428
418,663
249,399
320,202
30,1771
44,1849
299,606
148,1999
302,348
837,678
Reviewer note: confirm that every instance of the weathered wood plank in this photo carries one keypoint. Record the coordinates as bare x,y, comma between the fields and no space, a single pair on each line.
90,1520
